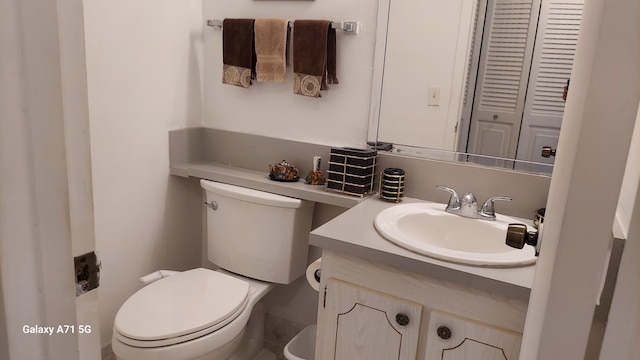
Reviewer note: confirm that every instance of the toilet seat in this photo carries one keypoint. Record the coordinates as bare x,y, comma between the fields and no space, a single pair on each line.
180,308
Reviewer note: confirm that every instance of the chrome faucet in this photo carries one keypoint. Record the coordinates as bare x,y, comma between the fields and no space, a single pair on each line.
467,206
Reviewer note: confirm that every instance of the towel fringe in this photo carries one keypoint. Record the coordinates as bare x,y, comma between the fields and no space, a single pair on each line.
332,80
271,77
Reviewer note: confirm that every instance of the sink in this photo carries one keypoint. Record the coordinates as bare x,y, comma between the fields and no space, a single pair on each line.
425,228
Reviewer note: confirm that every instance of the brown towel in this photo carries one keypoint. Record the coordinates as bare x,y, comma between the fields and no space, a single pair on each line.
238,53
314,56
271,49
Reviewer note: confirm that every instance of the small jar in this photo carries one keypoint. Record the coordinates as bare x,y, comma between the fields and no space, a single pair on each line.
391,187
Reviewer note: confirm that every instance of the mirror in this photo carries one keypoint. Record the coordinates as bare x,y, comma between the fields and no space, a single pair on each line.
473,80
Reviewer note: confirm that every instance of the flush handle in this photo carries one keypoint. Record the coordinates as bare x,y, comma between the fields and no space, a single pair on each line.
212,205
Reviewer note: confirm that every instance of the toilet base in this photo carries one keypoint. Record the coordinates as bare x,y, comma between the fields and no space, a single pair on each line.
253,339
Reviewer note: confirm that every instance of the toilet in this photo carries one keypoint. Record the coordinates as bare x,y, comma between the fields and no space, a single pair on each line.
257,239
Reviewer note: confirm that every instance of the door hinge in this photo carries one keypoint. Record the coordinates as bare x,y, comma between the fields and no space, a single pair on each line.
87,271
324,297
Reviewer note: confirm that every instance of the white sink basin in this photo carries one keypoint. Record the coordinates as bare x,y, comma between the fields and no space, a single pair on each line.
425,228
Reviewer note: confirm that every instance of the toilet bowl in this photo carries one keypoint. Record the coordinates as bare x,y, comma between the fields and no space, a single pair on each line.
197,314
203,314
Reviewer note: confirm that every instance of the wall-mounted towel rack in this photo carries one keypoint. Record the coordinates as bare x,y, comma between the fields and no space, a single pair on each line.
349,27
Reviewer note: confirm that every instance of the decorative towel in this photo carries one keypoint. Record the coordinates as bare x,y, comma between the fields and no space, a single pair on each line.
271,49
314,56
238,53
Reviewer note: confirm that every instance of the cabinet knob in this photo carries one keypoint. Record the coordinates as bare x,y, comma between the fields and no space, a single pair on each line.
444,332
402,319
518,236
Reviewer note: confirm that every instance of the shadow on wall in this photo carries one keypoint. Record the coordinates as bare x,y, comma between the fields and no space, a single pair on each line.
181,233
298,302
4,344
195,90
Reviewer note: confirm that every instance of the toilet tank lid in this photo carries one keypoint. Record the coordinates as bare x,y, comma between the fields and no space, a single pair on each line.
250,195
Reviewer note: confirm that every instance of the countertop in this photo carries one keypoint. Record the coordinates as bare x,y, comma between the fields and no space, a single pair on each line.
353,233
259,180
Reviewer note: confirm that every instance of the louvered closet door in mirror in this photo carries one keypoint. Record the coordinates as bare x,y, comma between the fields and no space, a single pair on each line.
556,42
505,61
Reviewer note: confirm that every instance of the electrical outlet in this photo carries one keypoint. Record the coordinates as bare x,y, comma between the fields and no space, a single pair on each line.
434,96
87,272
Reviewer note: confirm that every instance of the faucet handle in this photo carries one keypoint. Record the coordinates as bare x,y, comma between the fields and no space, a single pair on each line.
454,199
488,211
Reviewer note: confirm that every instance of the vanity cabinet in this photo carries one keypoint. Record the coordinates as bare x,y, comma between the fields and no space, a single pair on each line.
463,339
368,310
363,324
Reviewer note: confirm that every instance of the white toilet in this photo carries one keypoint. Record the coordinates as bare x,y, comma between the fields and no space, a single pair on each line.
258,239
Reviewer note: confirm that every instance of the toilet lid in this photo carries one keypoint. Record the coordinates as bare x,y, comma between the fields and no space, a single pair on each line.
184,303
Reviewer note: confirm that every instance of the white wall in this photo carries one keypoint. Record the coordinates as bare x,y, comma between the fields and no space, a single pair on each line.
339,118
630,181
623,326
577,235
17,206
143,66
427,46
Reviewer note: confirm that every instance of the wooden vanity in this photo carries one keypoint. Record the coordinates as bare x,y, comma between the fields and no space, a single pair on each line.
380,301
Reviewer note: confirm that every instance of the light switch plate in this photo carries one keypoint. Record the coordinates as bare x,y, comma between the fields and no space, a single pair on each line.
434,96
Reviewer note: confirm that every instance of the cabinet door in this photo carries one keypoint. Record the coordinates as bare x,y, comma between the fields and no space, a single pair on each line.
369,325
454,338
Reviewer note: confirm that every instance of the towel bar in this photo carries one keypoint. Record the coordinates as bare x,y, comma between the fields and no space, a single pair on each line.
349,27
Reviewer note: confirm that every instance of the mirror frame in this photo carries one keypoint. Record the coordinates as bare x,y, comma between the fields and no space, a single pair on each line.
378,68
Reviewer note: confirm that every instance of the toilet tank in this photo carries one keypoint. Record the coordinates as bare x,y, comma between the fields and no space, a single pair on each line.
257,234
